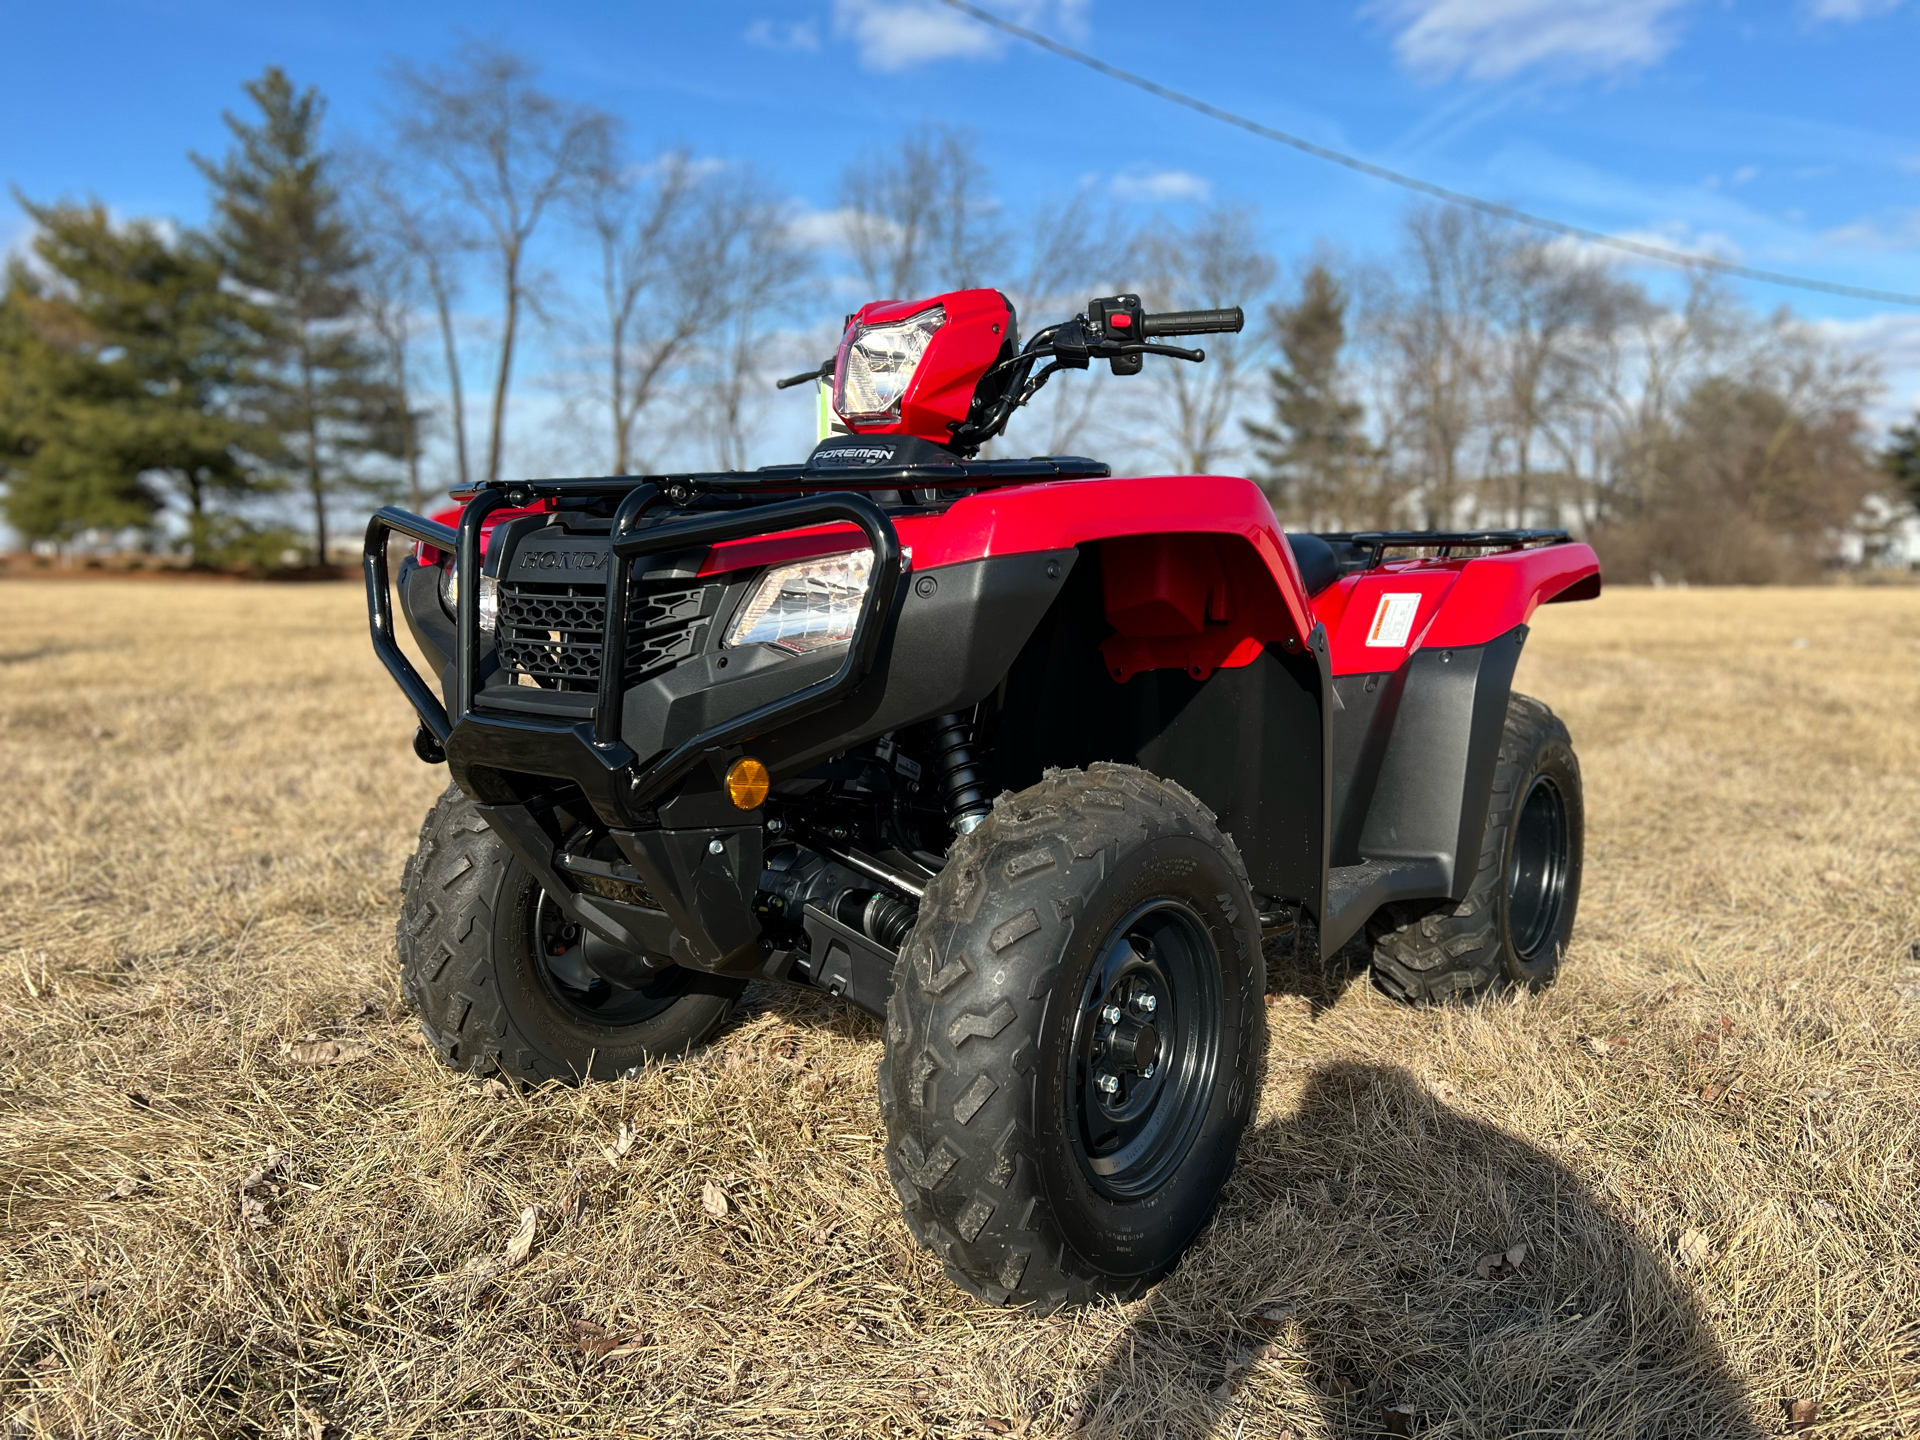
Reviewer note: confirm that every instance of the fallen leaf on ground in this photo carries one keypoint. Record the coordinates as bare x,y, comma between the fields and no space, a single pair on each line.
1710,1092
592,1339
1802,1412
313,1425
1271,1318
521,1245
496,1089
261,1184
1446,1092
713,1200
1694,1247
1825,1211
326,1052
1498,1264
1606,1046
1396,1419
1817,1092
622,1143
124,1190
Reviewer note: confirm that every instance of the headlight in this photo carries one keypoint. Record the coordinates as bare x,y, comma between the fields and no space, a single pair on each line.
876,364
805,607
489,597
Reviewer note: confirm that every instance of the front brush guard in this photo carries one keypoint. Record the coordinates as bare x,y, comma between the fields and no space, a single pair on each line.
702,923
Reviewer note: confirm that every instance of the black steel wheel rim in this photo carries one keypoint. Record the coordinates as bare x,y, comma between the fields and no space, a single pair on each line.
1537,870
557,945
1145,1050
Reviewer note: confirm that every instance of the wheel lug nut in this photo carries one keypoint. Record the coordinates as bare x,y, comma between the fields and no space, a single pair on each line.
1110,1084
1147,1074
1149,1003
1111,1014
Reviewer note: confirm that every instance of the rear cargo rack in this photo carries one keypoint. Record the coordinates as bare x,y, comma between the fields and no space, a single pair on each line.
1378,542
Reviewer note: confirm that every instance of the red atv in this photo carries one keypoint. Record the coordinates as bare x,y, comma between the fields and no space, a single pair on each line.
1026,759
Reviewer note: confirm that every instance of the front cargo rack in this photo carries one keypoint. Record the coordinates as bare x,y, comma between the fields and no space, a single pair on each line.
809,479
1378,542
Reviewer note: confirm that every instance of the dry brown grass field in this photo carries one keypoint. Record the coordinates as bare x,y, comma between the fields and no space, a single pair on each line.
1705,1136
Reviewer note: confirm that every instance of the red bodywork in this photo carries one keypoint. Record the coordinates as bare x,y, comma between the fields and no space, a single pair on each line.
1197,574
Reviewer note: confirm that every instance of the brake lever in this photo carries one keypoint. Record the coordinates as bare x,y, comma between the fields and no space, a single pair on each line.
824,369
1147,347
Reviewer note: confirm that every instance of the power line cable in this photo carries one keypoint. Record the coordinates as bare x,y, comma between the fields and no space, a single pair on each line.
1426,187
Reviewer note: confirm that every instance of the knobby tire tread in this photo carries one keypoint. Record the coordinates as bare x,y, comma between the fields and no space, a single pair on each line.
965,1015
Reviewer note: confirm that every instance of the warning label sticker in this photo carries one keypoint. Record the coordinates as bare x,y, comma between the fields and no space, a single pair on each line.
1393,621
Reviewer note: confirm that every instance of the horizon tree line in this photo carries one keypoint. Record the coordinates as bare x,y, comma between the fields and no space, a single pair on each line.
315,347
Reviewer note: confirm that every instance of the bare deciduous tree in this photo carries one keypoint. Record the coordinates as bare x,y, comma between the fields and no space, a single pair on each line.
919,220
756,270
658,282
508,154
1215,262
429,245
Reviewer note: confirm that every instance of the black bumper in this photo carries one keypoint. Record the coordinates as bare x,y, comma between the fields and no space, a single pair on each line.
649,759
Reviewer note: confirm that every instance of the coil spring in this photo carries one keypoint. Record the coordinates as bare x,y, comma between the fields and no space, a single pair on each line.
963,782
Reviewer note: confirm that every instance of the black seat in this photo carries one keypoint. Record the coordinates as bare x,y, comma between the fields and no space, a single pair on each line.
1319,566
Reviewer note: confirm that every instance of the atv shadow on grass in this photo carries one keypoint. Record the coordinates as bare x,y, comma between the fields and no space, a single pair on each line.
1356,1241
1295,967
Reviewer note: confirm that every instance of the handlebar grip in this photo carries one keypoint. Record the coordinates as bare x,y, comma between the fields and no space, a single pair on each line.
1194,322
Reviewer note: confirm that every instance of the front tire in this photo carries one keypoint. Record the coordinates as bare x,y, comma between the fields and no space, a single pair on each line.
487,965
1514,925
1074,1039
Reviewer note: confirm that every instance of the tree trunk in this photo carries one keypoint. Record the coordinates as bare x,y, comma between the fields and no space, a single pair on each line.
314,484
442,304
409,447
501,381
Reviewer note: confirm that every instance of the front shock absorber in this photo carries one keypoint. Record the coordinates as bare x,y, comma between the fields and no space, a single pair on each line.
963,781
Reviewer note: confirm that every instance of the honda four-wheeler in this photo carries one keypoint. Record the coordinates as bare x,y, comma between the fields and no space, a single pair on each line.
1024,758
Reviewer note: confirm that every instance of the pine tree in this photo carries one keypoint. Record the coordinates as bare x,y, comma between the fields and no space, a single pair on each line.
284,238
1314,458
122,377
1902,459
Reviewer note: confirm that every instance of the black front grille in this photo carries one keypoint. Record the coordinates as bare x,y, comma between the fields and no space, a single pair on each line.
550,636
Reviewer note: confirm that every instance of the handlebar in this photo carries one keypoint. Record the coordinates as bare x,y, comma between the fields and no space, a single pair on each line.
1194,322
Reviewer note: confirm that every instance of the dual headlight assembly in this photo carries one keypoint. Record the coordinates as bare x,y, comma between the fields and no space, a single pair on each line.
802,608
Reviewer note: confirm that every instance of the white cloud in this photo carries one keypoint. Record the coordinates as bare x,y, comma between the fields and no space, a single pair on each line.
1154,186
783,35
823,229
895,35
1898,231
1494,39
1847,11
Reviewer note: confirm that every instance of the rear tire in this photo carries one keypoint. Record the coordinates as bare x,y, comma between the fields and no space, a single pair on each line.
475,939
1514,925
1095,928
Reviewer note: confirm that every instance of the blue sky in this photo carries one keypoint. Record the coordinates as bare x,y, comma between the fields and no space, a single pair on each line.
1781,132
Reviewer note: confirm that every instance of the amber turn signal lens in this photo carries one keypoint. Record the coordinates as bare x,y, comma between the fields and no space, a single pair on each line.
747,783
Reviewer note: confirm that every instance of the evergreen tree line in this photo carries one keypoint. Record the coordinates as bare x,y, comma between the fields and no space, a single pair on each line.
145,369
352,323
